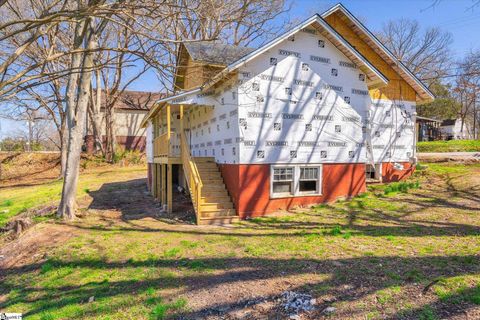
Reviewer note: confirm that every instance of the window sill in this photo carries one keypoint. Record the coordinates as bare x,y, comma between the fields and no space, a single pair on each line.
298,195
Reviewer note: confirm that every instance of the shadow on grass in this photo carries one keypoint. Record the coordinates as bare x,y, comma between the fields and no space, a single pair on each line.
133,200
364,276
375,215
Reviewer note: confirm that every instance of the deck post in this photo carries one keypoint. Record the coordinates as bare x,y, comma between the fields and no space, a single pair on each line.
163,195
169,128
153,191
169,188
168,122
159,183
181,127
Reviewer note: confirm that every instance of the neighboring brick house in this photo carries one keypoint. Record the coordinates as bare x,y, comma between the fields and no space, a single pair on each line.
130,109
307,118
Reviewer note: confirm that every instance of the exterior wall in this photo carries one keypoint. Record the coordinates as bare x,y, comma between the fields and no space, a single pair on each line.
311,129
196,73
275,127
231,178
390,174
125,142
249,187
128,132
312,106
213,132
455,131
127,123
397,89
193,75
392,131
149,142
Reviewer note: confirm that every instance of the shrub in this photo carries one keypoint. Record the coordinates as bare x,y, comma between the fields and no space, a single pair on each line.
403,187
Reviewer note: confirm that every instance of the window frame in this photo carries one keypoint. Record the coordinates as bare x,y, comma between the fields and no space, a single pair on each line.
272,181
296,181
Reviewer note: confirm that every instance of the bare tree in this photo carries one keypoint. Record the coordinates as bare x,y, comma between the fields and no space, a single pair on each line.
425,52
472,6
467,90
151,31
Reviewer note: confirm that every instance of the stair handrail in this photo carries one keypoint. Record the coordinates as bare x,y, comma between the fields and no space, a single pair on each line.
192,175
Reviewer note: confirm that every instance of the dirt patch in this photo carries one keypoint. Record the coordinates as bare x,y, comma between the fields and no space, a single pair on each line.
35,168
33,246
23,169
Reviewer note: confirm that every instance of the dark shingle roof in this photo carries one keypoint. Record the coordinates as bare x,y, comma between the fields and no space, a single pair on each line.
448,122
135,100
216,53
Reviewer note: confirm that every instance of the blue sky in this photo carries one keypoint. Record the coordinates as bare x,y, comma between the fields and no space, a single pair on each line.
451,15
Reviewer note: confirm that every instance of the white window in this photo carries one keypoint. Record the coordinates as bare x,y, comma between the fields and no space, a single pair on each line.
309,181
283,181
295,180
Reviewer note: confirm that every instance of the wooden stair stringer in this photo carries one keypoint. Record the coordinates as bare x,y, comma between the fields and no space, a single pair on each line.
216,206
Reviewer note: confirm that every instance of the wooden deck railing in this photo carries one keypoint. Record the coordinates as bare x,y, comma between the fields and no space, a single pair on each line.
161,145
191,175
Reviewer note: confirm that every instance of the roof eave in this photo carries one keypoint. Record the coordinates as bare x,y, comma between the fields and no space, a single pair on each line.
159,103
427,95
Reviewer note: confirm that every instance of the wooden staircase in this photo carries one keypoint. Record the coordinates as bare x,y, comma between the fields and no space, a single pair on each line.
209,195
216,207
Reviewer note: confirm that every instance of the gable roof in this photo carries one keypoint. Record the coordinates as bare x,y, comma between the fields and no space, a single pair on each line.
235,57
423,92
215,53
374,76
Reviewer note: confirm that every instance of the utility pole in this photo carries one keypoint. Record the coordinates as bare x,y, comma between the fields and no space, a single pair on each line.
475,131
31,118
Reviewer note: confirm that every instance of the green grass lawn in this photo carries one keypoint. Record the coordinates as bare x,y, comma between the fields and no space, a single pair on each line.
371,256
16,200
449,146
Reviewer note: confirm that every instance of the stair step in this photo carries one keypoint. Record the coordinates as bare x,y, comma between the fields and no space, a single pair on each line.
207,206
214,187
215,199
207,170
218,220
206,164
212,180
215,194
210,175
218,213
203,159
216,206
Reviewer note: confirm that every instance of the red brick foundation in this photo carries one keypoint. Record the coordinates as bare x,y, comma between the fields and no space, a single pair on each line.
249,187
390,174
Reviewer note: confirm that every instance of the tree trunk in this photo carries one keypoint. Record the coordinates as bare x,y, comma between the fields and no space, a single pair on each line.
97,115
78,93
110,133
63,149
